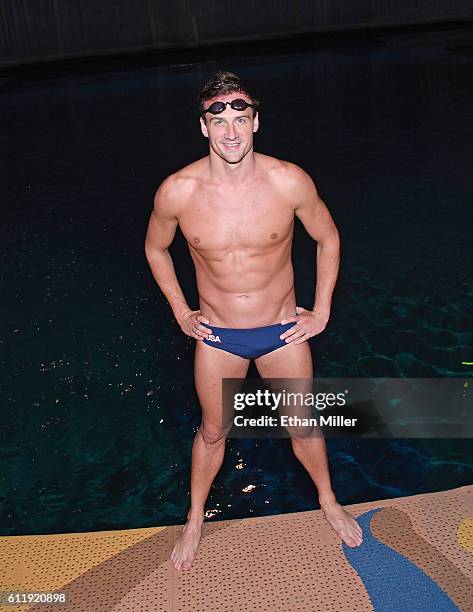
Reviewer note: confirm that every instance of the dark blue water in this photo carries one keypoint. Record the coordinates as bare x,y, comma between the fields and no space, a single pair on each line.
97,397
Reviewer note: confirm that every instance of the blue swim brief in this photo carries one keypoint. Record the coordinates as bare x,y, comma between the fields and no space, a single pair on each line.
248,343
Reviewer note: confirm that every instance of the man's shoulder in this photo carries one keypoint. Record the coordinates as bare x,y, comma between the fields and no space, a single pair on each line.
185,179
178,187
284,174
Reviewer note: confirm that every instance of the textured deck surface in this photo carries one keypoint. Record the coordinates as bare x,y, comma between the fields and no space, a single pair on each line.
417,554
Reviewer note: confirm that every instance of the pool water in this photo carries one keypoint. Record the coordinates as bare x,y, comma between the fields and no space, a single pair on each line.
99,408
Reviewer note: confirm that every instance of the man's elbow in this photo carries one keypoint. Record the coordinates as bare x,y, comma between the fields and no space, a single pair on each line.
331,241
153,252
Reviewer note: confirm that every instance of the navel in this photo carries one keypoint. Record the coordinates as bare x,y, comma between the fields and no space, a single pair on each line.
273,236
196,240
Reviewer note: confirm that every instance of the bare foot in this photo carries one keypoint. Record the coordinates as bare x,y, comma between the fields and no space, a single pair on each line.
185,548
343,523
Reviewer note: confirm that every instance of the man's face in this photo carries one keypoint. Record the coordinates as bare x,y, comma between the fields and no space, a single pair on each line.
230,133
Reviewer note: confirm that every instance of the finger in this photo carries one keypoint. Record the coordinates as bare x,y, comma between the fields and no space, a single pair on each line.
289,332
206,330
302,339
296,335
200,333
289,320
202,319
299,310
194,335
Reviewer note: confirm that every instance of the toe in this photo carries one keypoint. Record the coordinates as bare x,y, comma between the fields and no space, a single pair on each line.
186,565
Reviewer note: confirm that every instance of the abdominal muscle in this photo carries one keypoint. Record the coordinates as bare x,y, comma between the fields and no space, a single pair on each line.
252,300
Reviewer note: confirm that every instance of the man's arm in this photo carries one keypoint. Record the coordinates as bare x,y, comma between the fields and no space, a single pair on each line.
318,222
161,231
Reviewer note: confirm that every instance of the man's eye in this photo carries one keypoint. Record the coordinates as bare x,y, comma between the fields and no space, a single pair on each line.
218,122
241,120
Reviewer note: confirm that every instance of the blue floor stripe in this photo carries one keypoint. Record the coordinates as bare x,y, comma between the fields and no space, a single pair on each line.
394,583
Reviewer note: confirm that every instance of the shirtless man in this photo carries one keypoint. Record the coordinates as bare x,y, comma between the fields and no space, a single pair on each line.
236,209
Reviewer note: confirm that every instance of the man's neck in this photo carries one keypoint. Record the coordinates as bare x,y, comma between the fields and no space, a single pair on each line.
222,171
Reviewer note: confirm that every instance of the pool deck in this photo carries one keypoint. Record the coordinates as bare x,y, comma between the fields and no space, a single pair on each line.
417,552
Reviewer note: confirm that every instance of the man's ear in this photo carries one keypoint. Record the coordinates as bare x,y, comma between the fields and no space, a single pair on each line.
256,122
203,127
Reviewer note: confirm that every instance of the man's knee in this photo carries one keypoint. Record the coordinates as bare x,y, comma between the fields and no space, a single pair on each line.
304,436
301,434
213,433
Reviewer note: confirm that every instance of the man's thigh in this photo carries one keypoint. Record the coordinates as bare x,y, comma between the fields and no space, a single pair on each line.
290,361
210,366
293,363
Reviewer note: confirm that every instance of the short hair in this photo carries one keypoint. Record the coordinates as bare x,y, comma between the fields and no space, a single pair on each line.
223,82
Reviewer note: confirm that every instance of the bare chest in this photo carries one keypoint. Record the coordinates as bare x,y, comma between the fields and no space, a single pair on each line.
257,223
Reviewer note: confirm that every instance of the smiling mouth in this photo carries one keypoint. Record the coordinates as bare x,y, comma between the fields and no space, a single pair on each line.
231,145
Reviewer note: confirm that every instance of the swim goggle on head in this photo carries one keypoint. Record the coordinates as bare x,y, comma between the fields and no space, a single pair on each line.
238,104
